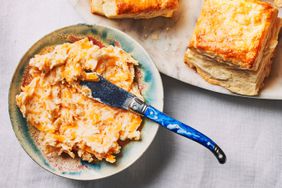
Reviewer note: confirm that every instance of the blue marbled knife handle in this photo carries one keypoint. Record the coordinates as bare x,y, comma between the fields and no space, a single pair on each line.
184,130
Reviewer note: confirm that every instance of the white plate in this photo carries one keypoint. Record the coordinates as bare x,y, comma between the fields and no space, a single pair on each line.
166,41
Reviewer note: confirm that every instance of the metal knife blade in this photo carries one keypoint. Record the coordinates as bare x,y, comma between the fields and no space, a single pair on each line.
112,95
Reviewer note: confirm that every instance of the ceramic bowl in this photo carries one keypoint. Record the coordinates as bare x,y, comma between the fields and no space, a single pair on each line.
75,168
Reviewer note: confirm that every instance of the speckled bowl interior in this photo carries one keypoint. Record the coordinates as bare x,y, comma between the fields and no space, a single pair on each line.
75,168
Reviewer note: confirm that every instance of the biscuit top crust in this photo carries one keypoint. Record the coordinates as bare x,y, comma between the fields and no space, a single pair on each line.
233,31
138,6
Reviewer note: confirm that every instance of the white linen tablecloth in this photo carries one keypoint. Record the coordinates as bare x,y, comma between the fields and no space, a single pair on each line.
249,131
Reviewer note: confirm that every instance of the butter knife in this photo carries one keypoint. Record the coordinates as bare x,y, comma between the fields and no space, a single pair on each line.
112,95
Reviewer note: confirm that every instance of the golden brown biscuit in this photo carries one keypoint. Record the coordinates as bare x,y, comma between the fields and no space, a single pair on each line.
233,43
234,31
134,8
